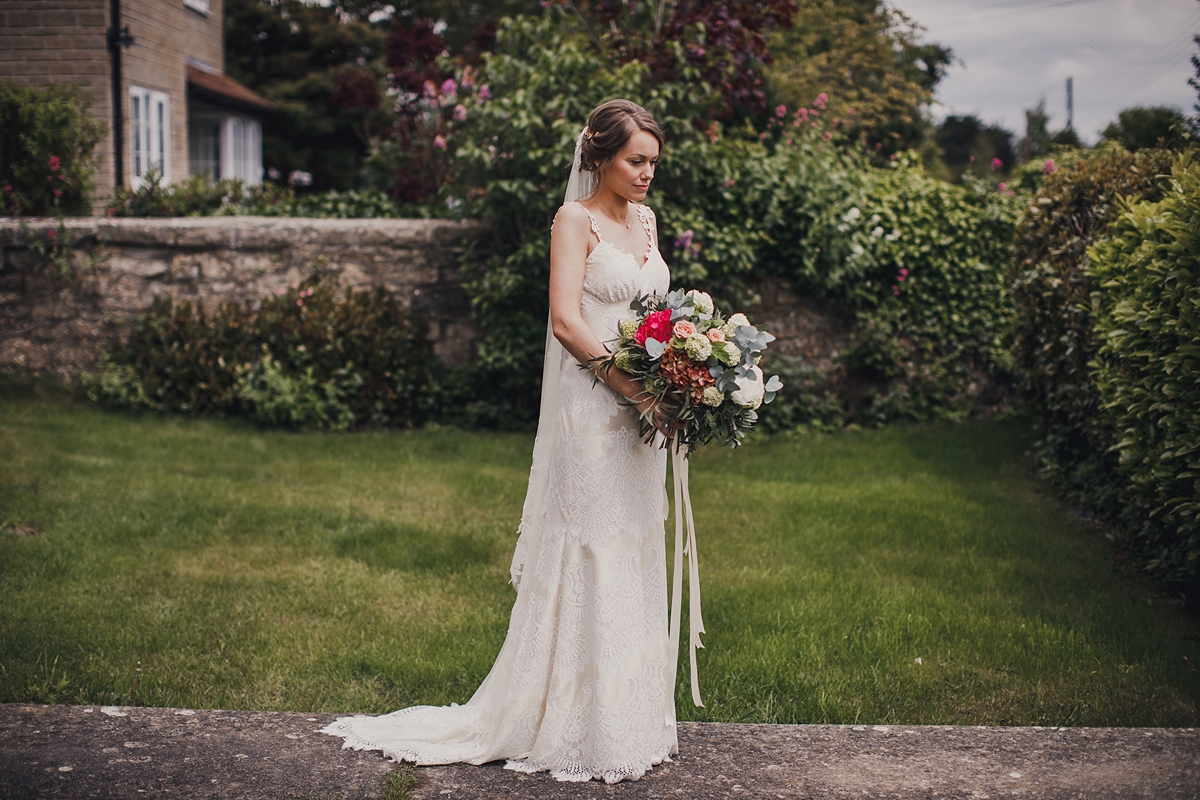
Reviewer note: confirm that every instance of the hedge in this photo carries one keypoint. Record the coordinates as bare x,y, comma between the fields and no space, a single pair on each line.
1052,290
1146,315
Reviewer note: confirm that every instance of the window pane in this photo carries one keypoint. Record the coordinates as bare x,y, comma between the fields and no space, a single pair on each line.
161,138
137,136
148,131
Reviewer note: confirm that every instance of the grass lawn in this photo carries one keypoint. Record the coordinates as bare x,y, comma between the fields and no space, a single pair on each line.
364,572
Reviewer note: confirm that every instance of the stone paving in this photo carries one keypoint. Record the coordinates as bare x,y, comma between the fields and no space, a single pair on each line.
94,752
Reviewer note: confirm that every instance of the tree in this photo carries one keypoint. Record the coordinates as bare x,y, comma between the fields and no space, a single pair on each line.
1141,128
298,55
869,59
723,43
968,145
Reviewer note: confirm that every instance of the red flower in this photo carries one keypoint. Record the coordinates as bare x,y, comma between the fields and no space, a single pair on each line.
657,326
58,192
54,163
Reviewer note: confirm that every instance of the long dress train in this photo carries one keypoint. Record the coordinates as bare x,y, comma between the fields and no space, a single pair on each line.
584,684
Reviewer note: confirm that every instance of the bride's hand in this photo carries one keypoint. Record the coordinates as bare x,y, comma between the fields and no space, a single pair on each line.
649,404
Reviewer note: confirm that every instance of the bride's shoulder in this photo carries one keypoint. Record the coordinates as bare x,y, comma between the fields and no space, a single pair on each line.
573,221
573,214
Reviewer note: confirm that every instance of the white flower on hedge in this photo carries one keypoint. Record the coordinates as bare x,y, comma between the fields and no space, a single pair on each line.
712,397
627,327
857,250
876,232
698,347
893,236
750,389
727,353
851,215
701,301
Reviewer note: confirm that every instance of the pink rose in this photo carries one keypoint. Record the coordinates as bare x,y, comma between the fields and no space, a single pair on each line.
684,328
716,335
439,142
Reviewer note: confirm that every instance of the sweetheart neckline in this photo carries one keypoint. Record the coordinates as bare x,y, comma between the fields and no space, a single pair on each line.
640,267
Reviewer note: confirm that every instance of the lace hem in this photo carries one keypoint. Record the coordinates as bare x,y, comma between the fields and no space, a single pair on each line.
579,773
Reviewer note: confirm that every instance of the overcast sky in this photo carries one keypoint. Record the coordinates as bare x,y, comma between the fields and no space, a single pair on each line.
1011,53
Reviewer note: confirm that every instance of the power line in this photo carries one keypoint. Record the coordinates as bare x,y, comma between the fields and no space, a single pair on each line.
952,21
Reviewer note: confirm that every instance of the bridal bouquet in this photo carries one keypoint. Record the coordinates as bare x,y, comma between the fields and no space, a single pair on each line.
702,367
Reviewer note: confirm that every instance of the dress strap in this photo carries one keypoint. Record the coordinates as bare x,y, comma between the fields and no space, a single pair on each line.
647,218
595,227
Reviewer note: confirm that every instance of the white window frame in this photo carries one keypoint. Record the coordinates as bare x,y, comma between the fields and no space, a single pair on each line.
238,149
149,134
200,6
241,149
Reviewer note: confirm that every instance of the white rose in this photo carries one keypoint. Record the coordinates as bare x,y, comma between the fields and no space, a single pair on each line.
750,389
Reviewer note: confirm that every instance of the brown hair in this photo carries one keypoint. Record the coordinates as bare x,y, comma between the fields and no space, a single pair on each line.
609,128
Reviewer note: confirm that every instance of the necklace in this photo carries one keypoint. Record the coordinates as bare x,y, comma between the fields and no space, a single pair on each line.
614,219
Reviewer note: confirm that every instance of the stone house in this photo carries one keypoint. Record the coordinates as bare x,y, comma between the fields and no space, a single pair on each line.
155,73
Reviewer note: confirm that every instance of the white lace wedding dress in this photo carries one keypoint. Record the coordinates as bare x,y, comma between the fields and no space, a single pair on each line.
584,685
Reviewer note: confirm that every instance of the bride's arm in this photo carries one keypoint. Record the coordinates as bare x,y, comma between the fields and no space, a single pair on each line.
568,258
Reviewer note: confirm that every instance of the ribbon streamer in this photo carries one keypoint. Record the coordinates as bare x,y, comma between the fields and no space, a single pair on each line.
683,517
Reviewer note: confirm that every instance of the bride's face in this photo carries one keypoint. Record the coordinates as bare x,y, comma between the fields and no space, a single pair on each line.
632,169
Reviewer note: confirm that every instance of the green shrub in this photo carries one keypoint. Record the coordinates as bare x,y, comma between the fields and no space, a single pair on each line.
200,197
305,358
1146,313
1052,291
924,279
805,402
46,144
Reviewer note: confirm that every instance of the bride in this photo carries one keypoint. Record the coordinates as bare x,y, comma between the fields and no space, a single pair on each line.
584,686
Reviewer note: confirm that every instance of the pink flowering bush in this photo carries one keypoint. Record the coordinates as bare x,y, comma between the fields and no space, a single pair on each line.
47,139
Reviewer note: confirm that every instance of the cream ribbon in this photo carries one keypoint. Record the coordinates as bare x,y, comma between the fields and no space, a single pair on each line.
683,513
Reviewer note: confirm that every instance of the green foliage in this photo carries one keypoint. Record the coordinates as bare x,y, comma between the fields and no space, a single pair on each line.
511,159
731,204
294,53
199,197
968,145
1141,128
806,403
869,58
305,358
925,281
55,252
1052,291
1146,314
46,144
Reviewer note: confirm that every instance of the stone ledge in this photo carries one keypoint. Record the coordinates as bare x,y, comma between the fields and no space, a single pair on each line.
87,751
250,233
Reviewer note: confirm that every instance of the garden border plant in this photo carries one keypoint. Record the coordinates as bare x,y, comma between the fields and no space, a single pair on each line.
1054,342
1146,370
310,356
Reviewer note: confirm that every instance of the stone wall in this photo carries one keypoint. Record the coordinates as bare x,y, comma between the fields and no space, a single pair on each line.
50,327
